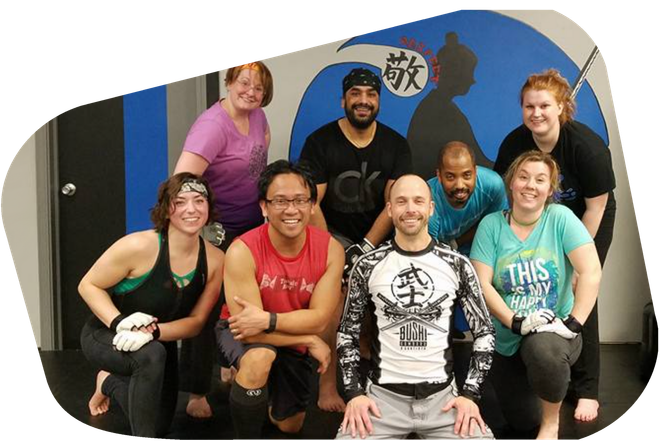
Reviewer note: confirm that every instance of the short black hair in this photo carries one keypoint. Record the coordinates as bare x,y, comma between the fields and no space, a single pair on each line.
284,167
455,149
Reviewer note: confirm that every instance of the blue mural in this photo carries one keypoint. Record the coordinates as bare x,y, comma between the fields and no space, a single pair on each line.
493,55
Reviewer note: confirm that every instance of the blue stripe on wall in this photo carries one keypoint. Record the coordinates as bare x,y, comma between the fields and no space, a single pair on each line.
145,153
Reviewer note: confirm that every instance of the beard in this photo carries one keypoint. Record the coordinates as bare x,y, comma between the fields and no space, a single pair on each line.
465,191
361,123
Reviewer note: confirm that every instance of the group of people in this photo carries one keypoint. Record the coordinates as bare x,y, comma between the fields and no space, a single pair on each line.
361,261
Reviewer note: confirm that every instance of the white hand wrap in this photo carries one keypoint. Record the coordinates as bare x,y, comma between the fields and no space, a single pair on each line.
558,327
524,325
136,320
131,341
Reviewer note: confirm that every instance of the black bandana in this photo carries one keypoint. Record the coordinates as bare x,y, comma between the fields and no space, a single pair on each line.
361,77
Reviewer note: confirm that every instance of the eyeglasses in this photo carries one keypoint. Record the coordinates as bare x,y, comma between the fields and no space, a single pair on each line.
245,84
283,204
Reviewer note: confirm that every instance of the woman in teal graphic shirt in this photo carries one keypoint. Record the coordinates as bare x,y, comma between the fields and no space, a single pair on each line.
525,259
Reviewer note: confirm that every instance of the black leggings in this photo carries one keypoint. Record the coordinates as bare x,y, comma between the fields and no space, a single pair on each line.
143,383
585,373
540,369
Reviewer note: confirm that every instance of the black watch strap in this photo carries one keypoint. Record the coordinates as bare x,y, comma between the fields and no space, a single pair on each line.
573,324
516,324
272,324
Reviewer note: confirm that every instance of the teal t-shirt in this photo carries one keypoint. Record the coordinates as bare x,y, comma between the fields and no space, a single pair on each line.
534,273
448,223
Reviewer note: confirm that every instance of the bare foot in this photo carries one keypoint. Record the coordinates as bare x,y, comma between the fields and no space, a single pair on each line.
586,410
198,407
548,431
329,399
99,403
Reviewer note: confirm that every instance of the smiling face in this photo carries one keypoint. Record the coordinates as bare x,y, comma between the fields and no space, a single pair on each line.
540,112
410,206
361,105
247,92
458,176
189,212
288,205
531,187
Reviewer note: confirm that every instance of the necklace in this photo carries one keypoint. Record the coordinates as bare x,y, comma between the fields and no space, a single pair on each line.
346,131
525,224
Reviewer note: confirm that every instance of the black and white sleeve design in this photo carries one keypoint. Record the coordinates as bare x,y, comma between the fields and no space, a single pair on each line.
476,312
348,335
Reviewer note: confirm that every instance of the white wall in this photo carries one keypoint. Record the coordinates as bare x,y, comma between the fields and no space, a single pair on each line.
19,215
625,286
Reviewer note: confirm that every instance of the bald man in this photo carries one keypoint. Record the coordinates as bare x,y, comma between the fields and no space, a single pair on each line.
463,193
410,286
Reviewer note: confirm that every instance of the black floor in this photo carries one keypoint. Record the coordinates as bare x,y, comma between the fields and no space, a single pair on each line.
71,379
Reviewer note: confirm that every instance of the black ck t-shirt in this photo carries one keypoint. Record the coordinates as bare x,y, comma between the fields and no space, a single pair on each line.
356,177
584,160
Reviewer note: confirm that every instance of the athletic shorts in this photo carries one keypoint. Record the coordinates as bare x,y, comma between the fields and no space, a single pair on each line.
289,381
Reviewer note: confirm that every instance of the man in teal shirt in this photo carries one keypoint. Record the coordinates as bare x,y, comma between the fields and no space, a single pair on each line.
463,193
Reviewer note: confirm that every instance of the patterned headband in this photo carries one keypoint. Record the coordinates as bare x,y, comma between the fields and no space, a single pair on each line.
196,186
361,77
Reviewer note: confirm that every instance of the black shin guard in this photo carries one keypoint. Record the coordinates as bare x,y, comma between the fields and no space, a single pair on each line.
249,410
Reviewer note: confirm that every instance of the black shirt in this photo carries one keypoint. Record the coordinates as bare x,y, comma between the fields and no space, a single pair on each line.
356,177
584,161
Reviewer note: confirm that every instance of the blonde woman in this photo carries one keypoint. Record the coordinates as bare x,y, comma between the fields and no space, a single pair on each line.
525,258
587,181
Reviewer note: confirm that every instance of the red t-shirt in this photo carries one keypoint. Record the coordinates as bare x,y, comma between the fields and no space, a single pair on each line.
286,283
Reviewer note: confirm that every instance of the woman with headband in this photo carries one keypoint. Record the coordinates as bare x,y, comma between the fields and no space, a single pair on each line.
587,181
148,290
228,145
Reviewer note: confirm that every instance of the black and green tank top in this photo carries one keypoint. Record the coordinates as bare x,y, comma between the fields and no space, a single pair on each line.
157,292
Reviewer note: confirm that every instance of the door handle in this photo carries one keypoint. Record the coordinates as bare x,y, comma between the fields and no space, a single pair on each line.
69,190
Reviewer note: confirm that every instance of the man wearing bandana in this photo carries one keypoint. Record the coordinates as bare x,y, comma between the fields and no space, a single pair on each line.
355,161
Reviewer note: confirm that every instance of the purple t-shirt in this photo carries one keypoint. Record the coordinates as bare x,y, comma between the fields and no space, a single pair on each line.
235,163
